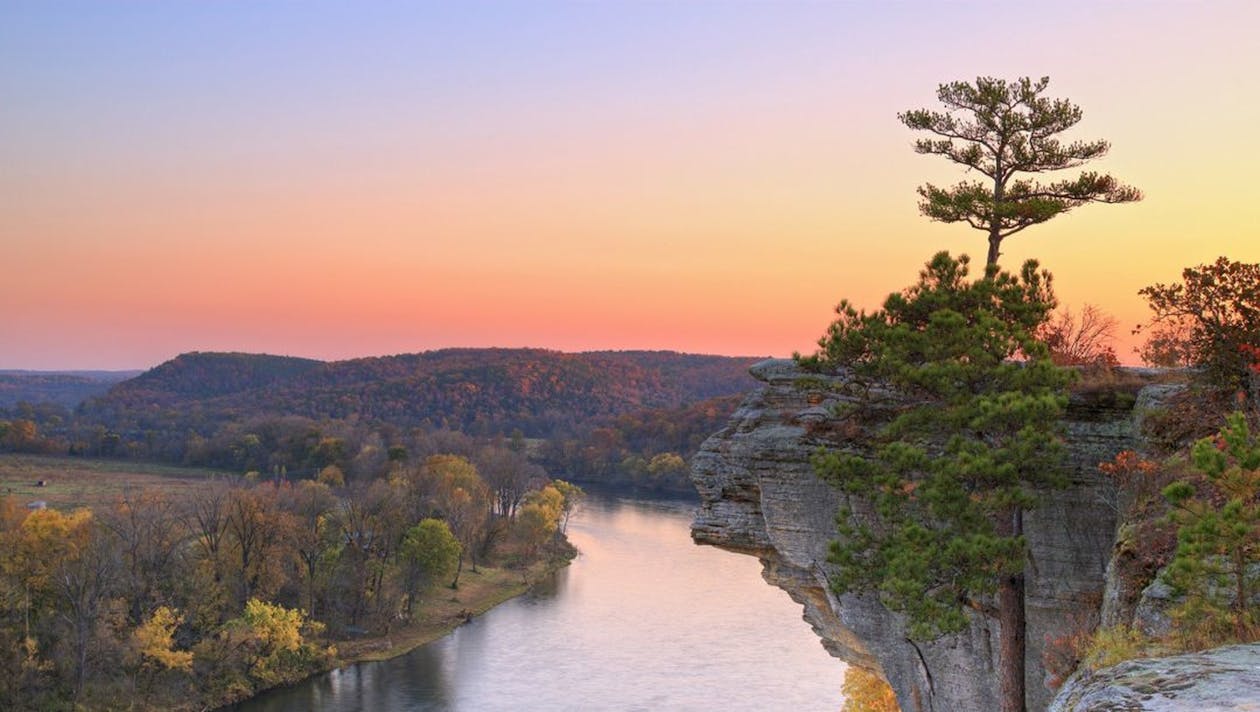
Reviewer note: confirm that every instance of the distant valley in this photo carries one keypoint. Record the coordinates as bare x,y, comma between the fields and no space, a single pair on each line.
628,416
65,388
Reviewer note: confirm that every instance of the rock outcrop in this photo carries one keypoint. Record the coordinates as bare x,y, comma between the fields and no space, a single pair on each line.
1221,679
760,497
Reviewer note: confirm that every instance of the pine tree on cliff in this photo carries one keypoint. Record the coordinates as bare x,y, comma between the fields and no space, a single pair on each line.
1001,130
967,404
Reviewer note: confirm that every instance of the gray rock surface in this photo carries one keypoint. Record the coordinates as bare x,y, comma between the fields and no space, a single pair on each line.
760,496
1220,679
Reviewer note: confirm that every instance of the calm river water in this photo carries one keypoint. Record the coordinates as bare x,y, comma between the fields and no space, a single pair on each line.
642,620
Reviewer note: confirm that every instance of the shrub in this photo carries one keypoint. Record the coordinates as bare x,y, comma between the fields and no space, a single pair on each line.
864,691
1114,645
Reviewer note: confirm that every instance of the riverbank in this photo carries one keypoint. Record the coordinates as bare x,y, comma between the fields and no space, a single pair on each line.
644,619
442,610
446,609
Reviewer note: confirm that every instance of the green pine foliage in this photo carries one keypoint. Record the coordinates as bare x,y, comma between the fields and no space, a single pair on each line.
1217,562
1008,132
968,403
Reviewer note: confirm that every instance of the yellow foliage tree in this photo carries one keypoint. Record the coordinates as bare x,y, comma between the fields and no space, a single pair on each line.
865,691
332,476
154,642
539,517
273,635
464,500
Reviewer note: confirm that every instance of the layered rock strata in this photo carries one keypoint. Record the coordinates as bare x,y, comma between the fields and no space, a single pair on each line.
760,497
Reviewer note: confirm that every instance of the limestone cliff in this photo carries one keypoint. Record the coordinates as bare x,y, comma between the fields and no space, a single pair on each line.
760,496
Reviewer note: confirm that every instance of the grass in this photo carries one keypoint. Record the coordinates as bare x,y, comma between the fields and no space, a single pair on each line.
80,482
1114,645
443,609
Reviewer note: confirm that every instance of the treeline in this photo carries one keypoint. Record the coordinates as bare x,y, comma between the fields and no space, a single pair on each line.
190,602
646,449
623,418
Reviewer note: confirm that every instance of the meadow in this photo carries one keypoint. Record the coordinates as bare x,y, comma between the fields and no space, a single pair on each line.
71,482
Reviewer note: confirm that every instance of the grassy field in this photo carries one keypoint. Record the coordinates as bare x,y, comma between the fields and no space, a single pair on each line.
80,482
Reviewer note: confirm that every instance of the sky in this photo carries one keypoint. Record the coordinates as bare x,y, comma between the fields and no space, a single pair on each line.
336,180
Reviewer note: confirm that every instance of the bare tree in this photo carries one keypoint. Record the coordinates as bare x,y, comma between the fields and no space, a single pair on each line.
1081,338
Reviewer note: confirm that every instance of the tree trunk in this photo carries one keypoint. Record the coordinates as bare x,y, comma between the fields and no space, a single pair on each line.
459,569
1241,599
995,242
995,226
1011,624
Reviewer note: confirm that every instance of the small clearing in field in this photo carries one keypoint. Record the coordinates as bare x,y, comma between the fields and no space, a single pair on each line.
81,482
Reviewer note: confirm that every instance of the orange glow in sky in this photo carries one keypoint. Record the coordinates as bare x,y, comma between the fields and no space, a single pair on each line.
338,181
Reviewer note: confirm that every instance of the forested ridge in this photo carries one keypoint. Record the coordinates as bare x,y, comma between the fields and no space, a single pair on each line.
615,417
476,391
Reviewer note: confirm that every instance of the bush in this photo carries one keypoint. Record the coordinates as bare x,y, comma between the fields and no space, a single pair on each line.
864,691
1114,645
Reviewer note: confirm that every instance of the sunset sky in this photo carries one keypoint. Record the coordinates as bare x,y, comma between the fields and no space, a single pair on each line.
351,179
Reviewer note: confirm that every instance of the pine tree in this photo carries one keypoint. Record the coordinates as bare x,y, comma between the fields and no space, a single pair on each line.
968,434
1217,563
1002,130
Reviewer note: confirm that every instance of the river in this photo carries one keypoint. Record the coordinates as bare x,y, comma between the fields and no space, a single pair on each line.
642,620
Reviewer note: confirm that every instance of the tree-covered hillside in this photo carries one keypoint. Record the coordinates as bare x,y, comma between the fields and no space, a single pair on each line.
477,391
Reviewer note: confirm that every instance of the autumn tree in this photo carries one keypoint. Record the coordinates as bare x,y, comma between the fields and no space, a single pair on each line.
153,651
865,691
509,475
572,496
206,517
150,534
20,655
69,571
254,523
463,499
540,517
1007,131
313,533
266,645
372,523
1211,319
967,436
665,465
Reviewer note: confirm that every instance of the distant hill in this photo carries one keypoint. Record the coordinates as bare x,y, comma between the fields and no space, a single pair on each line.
64,388
201,376
478,391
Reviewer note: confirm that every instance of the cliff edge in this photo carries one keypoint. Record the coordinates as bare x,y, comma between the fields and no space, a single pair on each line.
759,496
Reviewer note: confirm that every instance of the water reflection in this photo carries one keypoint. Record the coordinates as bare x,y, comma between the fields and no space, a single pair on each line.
642,620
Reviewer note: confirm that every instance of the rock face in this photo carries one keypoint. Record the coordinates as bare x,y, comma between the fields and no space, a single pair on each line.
1220,679
760,497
